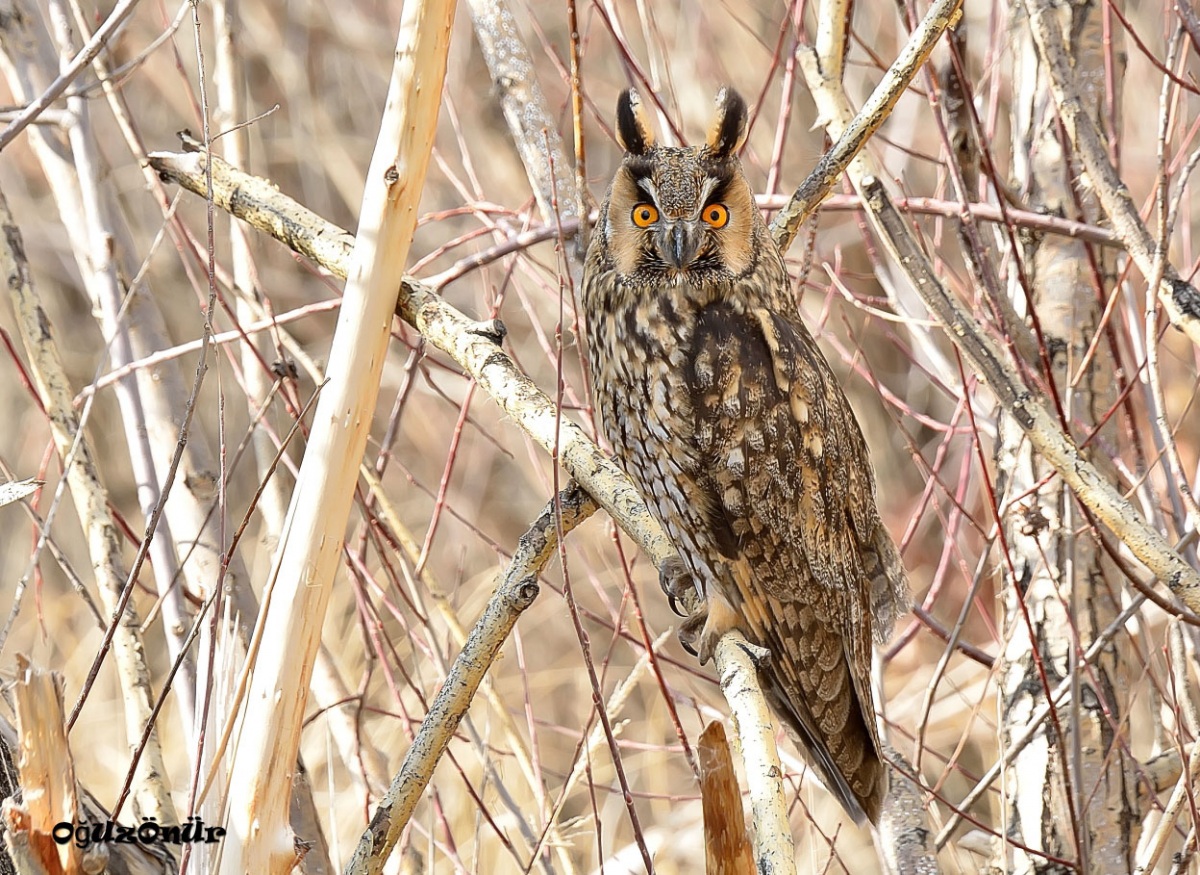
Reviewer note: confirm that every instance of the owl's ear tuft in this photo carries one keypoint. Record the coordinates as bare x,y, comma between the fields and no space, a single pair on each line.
633,123
729,127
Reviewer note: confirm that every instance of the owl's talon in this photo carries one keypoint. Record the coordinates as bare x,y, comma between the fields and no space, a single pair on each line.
490,329
691,634
676,581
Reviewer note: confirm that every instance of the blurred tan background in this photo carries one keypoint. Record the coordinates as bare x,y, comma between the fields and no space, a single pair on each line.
316,76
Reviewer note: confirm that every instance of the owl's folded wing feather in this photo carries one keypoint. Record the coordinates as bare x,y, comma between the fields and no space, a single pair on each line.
788,474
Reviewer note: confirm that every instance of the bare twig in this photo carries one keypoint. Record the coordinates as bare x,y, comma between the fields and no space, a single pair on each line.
471,344
1057,447
67,75
1182,792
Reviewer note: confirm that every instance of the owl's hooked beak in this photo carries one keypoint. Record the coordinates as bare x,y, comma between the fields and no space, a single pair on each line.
678,243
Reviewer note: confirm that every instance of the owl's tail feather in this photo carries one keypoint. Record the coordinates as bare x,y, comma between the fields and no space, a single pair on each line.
856,750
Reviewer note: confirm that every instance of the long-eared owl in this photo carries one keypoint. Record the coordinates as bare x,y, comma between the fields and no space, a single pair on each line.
721,408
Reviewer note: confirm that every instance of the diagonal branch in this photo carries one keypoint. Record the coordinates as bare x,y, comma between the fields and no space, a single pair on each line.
857,130
475,347
1044,431
1178,296
533,128
1047,436
471,344
515,592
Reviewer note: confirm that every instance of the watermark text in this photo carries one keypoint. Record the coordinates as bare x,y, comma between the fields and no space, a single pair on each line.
149,832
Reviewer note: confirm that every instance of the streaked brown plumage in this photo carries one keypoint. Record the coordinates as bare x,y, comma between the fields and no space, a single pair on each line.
723,411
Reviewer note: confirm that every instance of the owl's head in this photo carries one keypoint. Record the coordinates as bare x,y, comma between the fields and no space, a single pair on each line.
682,212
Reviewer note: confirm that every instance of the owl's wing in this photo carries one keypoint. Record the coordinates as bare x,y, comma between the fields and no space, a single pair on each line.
788,480
827,505
788,474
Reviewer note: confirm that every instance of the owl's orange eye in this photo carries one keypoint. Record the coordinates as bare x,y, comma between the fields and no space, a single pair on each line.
716,215
644,215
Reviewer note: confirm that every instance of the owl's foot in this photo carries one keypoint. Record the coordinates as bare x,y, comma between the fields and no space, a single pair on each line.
676,581
701,631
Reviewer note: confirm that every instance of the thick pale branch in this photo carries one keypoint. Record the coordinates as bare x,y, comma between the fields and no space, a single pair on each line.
297,593
92,507
905,840
530,122
737,666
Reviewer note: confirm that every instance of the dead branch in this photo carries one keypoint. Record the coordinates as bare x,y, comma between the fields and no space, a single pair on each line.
91,503
1046,434
727,848
857,128
51,801
533,128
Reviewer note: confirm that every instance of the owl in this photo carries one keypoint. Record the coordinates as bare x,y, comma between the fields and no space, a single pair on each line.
722,410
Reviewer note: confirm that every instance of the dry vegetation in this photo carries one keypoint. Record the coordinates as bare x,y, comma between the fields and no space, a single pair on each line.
531,766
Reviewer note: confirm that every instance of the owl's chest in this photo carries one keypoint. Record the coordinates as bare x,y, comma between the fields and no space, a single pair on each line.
640,356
